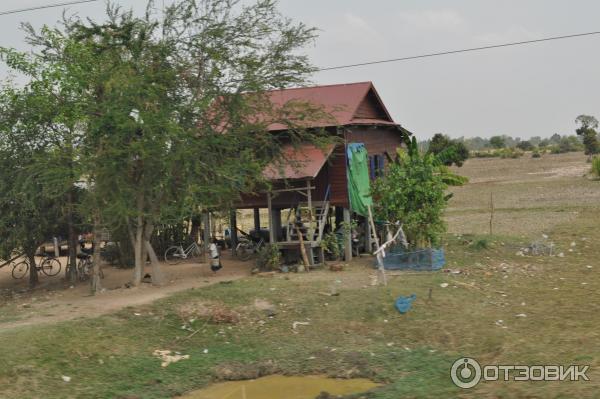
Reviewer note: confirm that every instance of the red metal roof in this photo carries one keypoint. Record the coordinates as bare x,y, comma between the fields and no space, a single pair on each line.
298,162
341,101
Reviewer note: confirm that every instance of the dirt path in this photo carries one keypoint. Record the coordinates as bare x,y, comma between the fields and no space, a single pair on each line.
55,300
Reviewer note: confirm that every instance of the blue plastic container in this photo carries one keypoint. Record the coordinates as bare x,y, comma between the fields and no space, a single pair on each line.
428,259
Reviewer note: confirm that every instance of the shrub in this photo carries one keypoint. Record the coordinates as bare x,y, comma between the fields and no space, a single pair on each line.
510,153
331,246
269,258
413,192
536,154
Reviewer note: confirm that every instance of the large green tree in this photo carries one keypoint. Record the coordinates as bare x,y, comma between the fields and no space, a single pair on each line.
173,109
30,210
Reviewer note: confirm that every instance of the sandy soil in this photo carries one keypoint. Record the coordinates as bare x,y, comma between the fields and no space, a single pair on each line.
56,300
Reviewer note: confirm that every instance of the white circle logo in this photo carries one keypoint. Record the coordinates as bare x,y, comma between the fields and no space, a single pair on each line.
465,373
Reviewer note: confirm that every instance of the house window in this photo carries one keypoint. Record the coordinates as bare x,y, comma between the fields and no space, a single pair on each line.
376,166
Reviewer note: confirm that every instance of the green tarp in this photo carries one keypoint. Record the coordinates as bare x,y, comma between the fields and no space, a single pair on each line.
359,190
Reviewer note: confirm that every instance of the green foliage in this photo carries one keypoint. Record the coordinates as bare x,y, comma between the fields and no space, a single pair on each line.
525,145
497,142
448,151
269,257
480,244
158,113
587,130
510,153
536,154
412,192
567,144
596,167
331,245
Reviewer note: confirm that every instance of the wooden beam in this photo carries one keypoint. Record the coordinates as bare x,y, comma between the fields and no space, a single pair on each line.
348,243
300,189
256,219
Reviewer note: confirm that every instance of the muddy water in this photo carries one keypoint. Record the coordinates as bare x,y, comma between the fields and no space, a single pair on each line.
280,387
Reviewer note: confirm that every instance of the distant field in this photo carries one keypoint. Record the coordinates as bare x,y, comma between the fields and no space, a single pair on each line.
530,195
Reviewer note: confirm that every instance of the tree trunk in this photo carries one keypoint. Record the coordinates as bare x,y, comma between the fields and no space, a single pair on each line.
158,277
96,282
138,243
71,272
33,274
138,252
157,274
195,231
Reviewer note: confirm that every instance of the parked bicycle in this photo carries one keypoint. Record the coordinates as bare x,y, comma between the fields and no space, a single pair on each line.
85,267
248,247
48,265
176,253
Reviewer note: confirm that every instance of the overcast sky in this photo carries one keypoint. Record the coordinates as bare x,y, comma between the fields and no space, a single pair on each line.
522,91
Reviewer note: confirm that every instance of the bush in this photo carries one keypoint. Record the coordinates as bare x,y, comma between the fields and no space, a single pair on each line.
331,246
269,258
510,153
525,146
413,192
536,154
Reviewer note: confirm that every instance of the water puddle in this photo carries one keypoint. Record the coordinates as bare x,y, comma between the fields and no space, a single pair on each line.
280,387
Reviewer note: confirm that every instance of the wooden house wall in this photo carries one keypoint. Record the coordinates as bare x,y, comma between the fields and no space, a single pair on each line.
377,140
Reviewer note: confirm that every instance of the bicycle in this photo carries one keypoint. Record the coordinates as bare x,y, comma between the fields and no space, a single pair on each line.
248,247
176,253
48,265
85,267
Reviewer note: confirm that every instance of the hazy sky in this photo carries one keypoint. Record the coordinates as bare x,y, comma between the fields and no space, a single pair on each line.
520,91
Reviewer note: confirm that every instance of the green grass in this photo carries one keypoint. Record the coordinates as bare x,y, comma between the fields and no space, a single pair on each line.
359,333
596,167
111,356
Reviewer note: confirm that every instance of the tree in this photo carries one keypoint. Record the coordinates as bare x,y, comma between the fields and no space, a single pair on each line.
30,212
587,130
412,192
169,107
525,145
497,142
448,151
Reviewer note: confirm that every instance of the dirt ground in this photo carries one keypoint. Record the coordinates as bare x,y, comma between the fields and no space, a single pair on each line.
57,300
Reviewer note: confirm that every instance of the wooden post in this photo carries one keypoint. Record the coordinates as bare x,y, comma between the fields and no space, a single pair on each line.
348,243
270,218
206,223
276,224
491,212
368,248
310,233
233,228
257,219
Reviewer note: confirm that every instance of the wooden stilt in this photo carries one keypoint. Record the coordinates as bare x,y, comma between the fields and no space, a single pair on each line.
270,218
348,243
